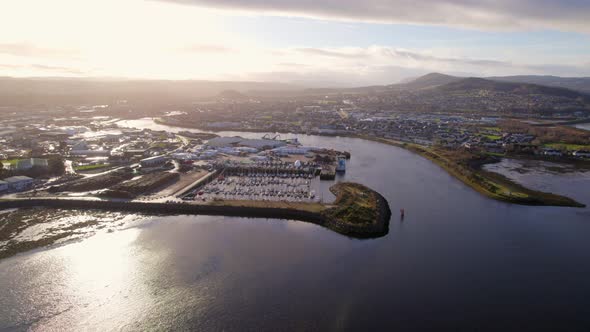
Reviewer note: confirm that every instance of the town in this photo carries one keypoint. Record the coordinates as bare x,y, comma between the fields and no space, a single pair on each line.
87,150
95,157
337,116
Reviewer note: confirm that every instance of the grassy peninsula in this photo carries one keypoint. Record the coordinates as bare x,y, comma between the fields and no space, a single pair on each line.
358,211
467,167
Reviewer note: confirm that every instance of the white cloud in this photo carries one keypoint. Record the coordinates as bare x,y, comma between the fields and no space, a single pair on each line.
29,49
568,15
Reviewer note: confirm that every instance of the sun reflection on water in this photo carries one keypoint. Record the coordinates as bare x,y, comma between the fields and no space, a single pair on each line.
102,278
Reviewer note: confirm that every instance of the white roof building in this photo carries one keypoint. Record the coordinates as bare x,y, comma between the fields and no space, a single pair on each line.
153,161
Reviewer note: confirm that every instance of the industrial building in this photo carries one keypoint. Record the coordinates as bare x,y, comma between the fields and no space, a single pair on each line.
25,164
3,186
153,161
260,144
19,183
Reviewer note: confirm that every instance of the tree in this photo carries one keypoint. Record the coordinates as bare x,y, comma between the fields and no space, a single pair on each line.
56,166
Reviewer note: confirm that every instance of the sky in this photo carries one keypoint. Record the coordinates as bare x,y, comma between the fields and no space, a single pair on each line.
306,42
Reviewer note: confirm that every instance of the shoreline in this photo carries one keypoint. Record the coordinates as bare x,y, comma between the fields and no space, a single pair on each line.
316,213
490,184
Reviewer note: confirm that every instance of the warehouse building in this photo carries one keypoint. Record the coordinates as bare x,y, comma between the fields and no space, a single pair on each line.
19,183
153,161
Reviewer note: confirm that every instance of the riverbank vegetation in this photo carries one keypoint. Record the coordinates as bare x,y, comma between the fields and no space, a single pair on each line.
467,167
355,204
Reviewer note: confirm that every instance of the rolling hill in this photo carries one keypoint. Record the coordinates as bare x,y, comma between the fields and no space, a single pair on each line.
581,84
427,81
474,83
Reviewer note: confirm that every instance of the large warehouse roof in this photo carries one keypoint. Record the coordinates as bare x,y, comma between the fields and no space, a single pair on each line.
239,141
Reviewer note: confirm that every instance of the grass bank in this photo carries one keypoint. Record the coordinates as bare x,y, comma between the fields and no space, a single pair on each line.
466,167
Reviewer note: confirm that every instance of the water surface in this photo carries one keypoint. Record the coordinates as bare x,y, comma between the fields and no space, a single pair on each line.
458,261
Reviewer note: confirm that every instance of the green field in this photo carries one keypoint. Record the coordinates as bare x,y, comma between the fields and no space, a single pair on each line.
90,167
492,129
565,146
10,161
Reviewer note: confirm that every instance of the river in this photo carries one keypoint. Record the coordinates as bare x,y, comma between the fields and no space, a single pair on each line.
458,261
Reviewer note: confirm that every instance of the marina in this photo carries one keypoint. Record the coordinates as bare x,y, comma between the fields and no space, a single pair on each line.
259,186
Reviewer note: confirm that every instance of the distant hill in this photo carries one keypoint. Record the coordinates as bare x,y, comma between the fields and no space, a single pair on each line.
60,91
77,91
474,83
359,90
428,81
581,84
432,80
232,95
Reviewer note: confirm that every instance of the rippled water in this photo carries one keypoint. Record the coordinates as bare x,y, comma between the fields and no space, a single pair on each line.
458,261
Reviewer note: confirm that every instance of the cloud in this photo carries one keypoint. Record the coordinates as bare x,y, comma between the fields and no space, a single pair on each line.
26,49
350,66
568,15
384,53
57,68
201,48
328,53
42,68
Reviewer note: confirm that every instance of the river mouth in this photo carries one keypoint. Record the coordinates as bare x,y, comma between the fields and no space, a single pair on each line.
457,261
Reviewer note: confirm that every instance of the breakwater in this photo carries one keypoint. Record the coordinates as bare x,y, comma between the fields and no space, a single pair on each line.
379,228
